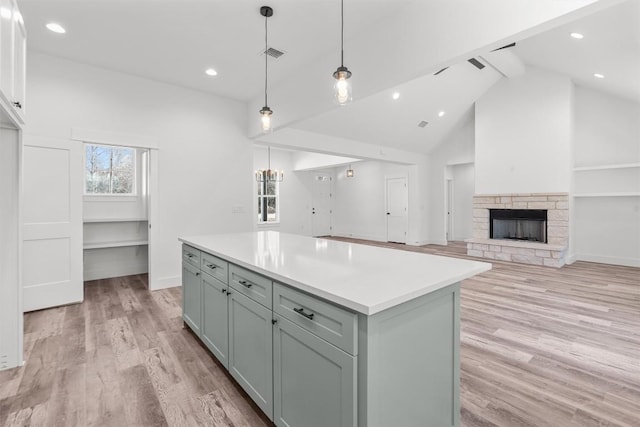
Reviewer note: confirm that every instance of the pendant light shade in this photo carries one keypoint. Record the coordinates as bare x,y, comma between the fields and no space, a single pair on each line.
269,175
342,87
266,112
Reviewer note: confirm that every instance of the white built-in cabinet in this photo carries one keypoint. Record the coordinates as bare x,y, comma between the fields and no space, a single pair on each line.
13,50
12,77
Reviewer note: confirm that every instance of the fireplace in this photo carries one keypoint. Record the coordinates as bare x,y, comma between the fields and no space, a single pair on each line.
518,224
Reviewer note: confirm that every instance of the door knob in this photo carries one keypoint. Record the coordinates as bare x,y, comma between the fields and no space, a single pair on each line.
388,213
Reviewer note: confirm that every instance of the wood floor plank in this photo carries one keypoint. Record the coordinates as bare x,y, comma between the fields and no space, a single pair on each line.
142,407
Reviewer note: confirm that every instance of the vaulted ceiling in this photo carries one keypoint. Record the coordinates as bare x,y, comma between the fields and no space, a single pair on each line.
391,46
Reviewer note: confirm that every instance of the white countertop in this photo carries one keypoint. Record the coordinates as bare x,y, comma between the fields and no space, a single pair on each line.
363,278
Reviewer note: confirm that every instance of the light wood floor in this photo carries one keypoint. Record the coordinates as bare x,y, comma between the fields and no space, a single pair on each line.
540,347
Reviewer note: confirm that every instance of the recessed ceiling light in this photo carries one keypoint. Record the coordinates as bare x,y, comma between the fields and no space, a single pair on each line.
577,36
441,113
211,72
396,95
56,28
598,76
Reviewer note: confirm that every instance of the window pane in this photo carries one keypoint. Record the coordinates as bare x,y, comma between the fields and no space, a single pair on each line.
109,170
272,213
271,188
259,209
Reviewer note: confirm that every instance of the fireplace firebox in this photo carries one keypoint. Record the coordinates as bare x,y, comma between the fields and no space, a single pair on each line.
518,224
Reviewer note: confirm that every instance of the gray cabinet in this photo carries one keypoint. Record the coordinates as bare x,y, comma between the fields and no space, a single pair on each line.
191,296
308,362
314,382
251,349
215,320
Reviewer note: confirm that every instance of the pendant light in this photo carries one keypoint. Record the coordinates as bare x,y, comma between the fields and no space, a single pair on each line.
266,112
349,172
342,88
268,175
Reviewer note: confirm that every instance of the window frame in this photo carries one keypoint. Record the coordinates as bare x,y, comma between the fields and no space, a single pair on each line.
134,185
262,197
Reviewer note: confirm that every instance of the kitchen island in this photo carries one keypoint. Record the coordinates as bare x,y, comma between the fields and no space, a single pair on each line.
328,333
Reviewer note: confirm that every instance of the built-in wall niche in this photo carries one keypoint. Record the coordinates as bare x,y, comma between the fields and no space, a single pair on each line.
615,180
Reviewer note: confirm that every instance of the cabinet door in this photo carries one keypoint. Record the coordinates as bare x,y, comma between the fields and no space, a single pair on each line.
250,349
314,382
215,326
6,48
191,296
19,63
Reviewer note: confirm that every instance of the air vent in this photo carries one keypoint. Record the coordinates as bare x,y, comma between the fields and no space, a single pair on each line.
505,47
274,53
435,74
473,61
422,124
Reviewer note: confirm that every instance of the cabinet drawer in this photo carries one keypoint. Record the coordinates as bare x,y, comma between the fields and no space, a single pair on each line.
328,321
191,255
253,285
214,266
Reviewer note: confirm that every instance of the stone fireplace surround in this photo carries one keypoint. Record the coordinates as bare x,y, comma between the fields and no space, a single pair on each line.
551,254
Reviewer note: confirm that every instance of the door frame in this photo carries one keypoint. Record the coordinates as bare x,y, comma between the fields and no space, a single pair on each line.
406,203
139,141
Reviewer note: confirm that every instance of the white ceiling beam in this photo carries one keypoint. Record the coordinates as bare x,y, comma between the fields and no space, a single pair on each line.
301,140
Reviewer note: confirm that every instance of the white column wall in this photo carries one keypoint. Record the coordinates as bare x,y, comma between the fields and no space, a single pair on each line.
523,135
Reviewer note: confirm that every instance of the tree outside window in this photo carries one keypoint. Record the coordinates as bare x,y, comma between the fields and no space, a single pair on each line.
109,170
268,202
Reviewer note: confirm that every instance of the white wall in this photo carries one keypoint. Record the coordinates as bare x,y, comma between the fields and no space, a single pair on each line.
359,202
204,156
523,135
10,291
463,178
607,132
457,148
607,129
295,192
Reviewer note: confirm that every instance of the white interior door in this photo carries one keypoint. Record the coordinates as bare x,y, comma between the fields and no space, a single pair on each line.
396,197
321,207
52,222
449,210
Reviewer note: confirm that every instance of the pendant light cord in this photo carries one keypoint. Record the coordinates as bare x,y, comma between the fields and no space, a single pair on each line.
342,33
266,58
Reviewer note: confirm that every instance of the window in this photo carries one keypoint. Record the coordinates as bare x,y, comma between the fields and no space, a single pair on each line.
268,202
109,170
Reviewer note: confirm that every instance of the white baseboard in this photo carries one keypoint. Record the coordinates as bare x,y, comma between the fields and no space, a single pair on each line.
603,259
418,243
570,259
165,282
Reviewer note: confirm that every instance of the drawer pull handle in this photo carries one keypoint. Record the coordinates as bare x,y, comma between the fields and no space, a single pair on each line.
211,266
245,283
198,273
301,312
189,255
224,291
